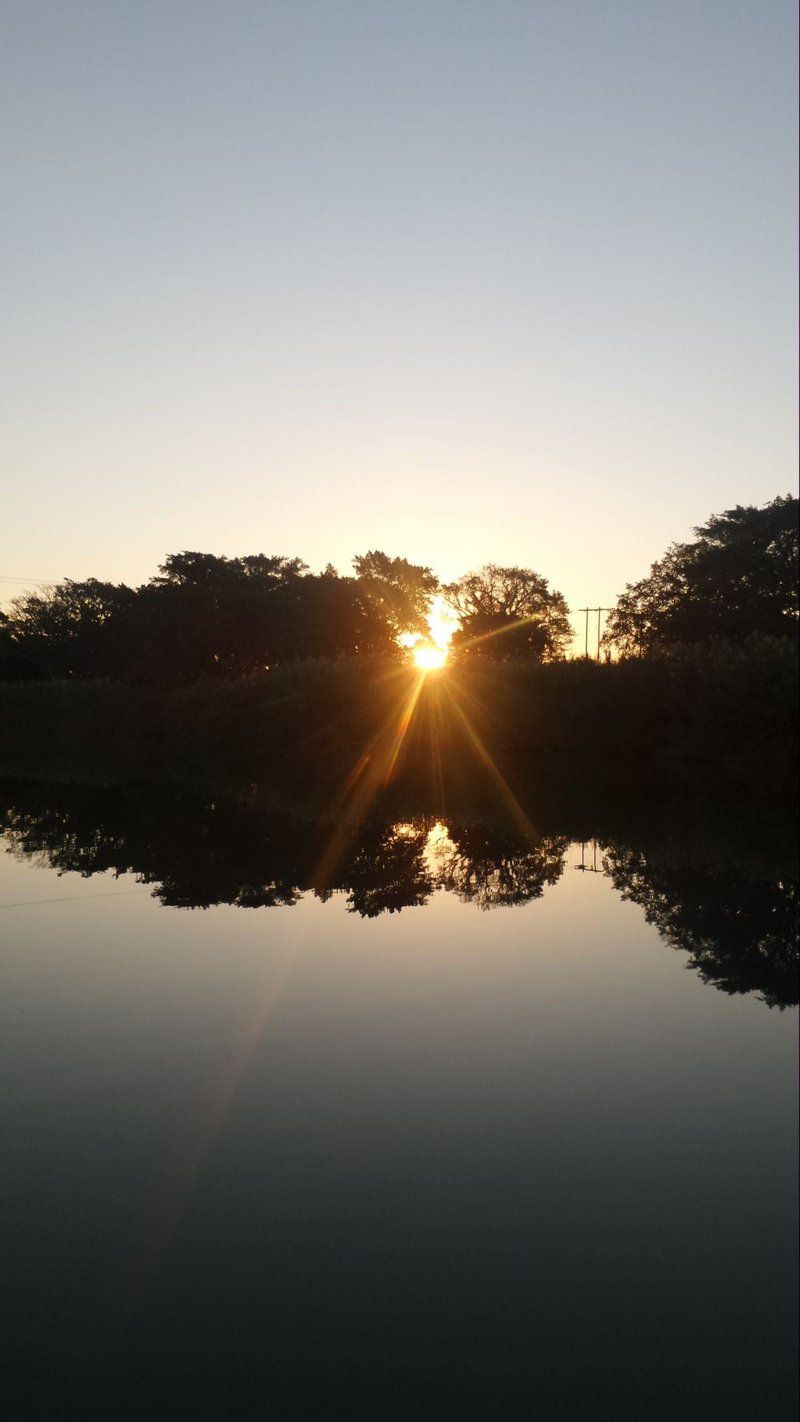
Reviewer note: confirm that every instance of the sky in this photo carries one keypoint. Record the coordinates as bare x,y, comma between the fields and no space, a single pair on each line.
464,280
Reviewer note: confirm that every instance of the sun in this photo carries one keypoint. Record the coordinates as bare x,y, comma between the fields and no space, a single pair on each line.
428,657
430,651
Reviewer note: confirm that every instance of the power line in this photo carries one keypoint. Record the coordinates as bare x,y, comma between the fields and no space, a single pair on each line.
42,582
73,898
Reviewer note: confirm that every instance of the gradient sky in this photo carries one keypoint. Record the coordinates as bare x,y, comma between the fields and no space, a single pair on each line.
464,281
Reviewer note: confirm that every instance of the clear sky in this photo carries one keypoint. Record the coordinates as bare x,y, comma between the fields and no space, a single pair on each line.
465,280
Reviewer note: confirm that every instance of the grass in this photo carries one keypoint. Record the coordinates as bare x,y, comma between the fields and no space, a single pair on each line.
308,722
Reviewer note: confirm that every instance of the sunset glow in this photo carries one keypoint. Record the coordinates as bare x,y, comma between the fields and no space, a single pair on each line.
430,652
429,657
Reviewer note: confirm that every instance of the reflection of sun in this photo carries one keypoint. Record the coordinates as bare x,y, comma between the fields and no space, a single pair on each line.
428,657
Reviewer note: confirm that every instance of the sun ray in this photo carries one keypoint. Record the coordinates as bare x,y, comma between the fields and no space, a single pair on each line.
509,799
498,632
193,1150
370,775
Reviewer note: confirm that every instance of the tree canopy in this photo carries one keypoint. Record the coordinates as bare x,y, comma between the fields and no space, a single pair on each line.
740,932
508,614
737,579
202,615
395,590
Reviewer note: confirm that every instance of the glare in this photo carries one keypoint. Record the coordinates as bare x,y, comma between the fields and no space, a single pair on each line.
442,622
428,657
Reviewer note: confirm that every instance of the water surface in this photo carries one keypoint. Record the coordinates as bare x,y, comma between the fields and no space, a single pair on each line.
460,1134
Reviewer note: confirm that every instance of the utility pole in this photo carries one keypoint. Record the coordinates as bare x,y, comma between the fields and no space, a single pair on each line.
583,867
598,610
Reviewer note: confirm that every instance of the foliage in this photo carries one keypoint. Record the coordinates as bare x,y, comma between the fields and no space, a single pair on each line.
206,616
508,614
395,590
738,579
740,933
71,629
490,867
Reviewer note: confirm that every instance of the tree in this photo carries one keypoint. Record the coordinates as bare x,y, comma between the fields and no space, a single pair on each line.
395,591
219,574
740,933
15,663
739,578
207,616
329,616
488,866
508,614
68,630
388,871
204,615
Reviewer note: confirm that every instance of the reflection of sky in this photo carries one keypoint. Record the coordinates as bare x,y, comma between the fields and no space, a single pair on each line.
503,282
536,1113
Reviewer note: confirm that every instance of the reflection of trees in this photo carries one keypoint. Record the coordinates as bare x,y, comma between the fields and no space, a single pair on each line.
388,871
198,852
741,933
484,866
195,852
739,925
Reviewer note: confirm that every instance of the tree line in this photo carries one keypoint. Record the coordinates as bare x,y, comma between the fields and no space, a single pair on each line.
203,615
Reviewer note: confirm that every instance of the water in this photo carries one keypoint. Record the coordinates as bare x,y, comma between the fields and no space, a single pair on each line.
501,1154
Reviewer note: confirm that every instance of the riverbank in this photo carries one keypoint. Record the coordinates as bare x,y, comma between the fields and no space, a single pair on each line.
312,722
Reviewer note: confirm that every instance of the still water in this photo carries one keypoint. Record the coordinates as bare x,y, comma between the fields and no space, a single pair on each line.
464,1137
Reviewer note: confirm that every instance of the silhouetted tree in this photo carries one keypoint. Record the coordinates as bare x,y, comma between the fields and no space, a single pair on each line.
221,575
336,616
508,614
195,850
15,663
207,616
199,850
738,923
204,615
70,630
484,865
740,933
739,578
388,871
396,591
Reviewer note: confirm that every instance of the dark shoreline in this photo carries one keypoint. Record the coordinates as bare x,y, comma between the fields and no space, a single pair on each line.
310,722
